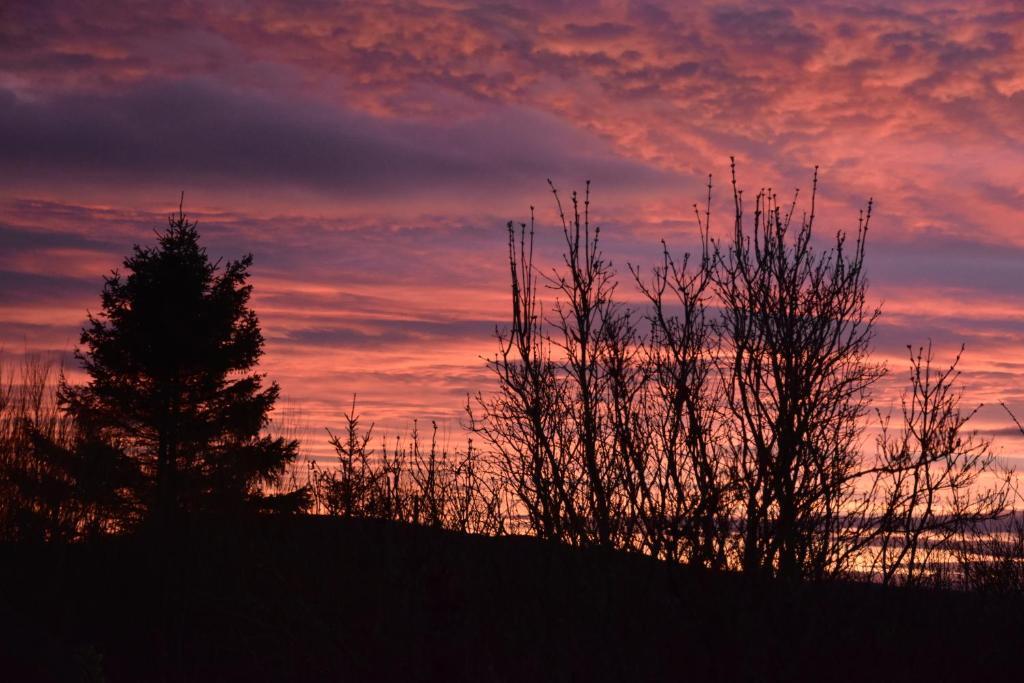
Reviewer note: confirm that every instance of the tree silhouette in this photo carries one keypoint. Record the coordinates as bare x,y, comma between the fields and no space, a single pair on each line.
170,360
797,334
938,483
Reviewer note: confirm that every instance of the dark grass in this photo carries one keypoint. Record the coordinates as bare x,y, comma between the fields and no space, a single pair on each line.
325,599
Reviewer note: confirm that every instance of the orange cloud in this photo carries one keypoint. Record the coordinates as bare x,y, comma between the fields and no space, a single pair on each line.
370,153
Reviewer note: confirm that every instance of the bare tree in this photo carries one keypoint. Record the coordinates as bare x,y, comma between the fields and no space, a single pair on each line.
681,473
585,324
796,330
722,427
936,485
561,421
524,421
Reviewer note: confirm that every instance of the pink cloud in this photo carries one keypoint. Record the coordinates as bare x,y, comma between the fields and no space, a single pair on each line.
370,153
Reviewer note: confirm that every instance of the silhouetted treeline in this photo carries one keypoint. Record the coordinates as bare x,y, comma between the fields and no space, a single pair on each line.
722,423
719,423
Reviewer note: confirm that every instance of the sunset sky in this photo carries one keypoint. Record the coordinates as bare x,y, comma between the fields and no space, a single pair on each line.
369,155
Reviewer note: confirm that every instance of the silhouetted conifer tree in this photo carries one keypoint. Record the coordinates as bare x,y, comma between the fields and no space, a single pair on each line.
170,360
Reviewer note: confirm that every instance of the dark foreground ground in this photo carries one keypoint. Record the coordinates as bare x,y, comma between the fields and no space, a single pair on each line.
319,599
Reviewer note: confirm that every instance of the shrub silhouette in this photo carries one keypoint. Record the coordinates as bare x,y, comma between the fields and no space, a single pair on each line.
408,481
719,423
